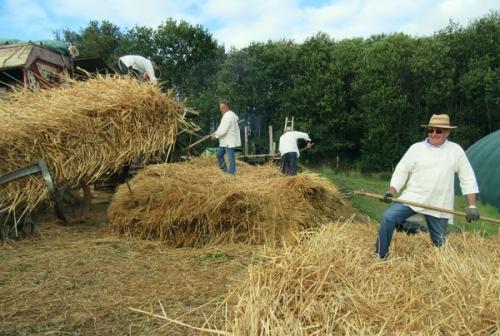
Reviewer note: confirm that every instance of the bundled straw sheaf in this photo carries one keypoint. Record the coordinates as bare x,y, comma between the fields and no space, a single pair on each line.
332,284
82,131
195,203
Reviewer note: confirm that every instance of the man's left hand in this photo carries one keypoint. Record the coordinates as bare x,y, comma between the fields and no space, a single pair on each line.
472,214
213,136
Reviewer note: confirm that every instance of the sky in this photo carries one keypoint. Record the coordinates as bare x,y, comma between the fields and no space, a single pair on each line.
237,23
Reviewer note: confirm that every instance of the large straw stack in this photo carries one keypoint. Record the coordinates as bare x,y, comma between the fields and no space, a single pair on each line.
194,203
333,284
83,131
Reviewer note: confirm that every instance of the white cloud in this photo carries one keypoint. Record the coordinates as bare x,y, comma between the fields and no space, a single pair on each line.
284,19
263,20
124,13
26,16
439,14
232,9
239,22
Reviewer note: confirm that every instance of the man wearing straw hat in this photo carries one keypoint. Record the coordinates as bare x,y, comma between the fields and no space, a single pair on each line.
228,134
428,170
139,67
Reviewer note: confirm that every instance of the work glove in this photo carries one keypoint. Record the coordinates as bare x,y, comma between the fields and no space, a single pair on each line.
472,214
387,197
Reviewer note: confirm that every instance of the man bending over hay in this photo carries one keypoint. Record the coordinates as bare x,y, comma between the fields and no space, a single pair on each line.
139,67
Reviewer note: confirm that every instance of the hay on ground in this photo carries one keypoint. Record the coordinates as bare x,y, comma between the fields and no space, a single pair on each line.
80,280
195,203
82,131
333,284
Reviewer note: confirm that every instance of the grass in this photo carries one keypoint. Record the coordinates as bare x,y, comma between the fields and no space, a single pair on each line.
349,181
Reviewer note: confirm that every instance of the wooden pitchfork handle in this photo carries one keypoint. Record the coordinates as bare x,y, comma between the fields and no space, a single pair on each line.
421,205
197,142
207,137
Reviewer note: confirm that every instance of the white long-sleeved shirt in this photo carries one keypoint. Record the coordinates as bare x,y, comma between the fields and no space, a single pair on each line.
288,142
140,64
429,174
228,131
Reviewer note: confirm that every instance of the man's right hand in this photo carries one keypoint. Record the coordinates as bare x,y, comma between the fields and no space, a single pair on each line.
472,214
387,197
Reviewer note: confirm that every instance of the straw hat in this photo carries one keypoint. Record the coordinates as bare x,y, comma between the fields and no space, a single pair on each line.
439,121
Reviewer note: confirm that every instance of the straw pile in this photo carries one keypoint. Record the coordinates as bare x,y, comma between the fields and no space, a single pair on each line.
332,284
194,203
83,131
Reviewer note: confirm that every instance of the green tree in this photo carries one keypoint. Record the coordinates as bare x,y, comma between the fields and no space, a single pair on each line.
433,77
474,57
387,96
188,55
96,40
139,40
362,99
257,80
322,96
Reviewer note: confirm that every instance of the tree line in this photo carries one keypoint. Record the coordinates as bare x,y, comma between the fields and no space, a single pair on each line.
362,99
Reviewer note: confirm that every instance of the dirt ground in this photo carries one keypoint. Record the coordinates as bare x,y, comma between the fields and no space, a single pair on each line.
81,280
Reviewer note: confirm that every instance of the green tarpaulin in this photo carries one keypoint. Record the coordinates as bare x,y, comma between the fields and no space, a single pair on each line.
484,156
58,46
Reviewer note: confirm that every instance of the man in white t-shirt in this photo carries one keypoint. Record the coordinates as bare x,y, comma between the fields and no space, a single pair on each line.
428,170
139,67
228,134
289,150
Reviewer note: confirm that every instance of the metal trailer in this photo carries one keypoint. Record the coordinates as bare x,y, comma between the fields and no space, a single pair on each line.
35,66
32,66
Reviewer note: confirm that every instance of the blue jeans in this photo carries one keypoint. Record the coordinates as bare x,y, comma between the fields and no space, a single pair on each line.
289,163
221,151
395,216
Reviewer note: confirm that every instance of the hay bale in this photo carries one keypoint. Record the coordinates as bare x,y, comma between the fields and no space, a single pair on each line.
194,203
333,284
83,131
